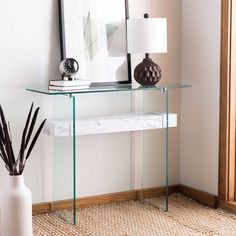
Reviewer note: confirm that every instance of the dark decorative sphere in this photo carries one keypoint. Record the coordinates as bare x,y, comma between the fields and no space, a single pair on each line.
147,72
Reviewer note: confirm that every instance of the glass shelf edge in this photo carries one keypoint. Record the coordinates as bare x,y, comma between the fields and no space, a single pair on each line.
103,89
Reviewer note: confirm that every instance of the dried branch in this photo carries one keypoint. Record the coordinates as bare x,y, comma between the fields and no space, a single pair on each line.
16,167
20,160
8,144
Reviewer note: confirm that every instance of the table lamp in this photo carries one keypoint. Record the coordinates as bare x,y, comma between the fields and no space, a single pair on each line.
147,35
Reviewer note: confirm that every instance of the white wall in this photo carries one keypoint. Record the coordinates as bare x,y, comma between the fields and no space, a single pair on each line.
200,104
29,46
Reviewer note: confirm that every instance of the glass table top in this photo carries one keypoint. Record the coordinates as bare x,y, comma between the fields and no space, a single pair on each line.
108,88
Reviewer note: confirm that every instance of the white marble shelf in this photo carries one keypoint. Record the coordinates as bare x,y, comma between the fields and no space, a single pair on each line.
110,124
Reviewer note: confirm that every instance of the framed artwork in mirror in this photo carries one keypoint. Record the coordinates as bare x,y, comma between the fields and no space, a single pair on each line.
94,33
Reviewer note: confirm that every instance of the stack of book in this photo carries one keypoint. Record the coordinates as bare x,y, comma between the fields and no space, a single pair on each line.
70,85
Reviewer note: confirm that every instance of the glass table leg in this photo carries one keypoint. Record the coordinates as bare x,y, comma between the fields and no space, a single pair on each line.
162,206
74,158
141,197
167,144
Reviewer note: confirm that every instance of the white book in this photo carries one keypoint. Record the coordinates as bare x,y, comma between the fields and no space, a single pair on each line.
69,83
68,88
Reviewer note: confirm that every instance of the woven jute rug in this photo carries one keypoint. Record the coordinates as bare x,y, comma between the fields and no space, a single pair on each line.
185,217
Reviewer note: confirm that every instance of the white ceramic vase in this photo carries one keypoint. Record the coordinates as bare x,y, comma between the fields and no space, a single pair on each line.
16,208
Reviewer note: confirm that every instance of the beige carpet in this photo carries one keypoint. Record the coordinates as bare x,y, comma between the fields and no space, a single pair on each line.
185,217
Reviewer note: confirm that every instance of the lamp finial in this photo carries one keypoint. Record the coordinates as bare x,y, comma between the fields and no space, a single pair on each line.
146,15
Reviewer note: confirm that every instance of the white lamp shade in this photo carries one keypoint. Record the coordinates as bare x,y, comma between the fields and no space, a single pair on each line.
147,35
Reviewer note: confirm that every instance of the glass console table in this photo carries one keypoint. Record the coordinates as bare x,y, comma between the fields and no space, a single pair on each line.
164,89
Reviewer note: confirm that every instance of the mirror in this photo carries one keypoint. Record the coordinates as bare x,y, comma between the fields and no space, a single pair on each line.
94,33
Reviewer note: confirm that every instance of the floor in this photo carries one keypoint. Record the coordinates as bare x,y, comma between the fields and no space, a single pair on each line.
185,217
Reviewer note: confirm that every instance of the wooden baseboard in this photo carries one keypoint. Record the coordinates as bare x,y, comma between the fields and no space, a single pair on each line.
199,196
47,207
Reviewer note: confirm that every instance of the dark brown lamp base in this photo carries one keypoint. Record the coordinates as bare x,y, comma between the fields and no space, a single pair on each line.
147,73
